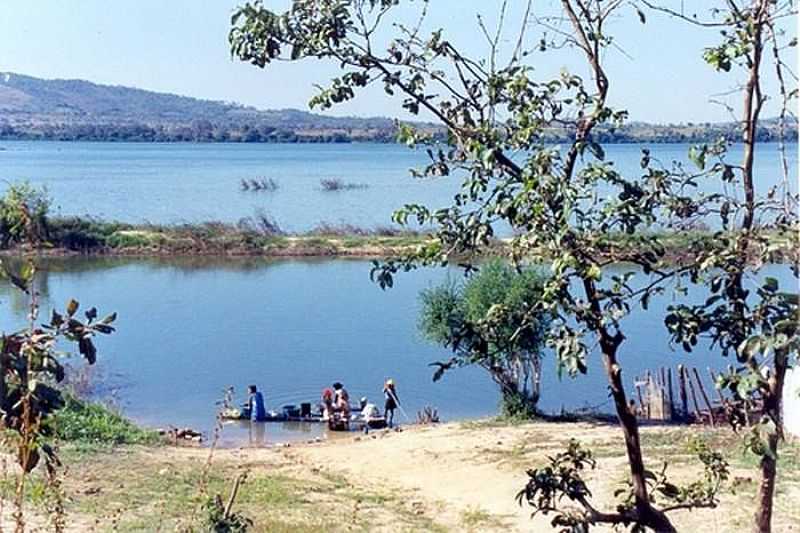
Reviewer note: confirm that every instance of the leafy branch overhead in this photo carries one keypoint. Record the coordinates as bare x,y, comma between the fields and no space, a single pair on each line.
31,367
568,205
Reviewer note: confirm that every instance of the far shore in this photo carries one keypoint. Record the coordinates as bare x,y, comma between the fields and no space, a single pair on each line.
69,236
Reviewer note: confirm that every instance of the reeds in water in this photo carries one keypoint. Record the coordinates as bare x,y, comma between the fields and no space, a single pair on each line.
335,184
259,185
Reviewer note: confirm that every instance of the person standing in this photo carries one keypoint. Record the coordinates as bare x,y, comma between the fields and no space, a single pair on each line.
390,394
256,403
341,400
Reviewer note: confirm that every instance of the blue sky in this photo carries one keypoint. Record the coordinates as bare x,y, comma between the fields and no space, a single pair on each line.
180,46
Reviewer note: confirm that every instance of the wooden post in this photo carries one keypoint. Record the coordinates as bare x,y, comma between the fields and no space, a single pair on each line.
639,394
664,394
669,392
705,396
722,399
682,392
698,413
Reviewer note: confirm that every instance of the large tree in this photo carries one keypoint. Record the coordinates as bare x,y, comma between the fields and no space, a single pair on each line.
487,321
568,204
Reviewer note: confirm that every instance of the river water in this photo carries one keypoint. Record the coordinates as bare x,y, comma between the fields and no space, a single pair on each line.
190,327
170,183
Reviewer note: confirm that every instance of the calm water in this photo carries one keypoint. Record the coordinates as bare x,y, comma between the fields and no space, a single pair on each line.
188,328
168,183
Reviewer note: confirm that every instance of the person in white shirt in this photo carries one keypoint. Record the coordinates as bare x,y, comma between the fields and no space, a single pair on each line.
369,411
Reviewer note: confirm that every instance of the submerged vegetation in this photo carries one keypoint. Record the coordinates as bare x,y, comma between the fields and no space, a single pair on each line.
335,184
259,184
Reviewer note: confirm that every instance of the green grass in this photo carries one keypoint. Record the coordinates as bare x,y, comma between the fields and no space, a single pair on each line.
92,424
476,519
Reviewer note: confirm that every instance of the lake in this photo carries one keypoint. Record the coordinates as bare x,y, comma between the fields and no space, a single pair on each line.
190,327
172,183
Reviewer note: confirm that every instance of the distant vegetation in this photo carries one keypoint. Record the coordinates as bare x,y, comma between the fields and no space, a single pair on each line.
77,110
335,184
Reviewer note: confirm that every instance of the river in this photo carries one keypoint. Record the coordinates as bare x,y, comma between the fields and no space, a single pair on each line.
190,327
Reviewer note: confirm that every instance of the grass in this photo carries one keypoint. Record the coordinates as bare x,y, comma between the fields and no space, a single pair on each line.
141,489
261,235
476,519
91,424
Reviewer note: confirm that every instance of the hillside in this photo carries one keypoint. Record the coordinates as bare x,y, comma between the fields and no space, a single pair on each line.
35,108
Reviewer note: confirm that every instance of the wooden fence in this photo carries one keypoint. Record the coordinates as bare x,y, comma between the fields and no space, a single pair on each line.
680,396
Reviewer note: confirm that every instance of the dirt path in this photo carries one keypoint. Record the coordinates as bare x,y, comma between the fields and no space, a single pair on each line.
468,477
451,477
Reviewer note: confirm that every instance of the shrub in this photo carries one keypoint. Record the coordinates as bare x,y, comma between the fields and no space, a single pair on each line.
23,215
94,423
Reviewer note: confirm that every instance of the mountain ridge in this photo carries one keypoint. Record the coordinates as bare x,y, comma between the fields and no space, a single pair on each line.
77,109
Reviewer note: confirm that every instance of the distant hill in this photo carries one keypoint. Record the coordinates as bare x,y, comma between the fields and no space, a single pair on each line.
35,108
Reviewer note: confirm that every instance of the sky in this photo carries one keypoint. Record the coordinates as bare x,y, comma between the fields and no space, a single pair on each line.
181,47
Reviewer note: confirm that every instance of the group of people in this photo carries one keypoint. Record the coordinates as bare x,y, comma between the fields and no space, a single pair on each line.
335,404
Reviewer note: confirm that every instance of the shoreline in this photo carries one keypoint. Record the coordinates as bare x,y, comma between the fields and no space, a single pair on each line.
442,478
86,237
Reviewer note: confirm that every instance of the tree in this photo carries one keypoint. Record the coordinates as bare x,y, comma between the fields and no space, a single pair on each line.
29,372
568,206
762,327
489,322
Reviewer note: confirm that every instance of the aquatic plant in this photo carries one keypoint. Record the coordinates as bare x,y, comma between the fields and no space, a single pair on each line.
335,184
259,184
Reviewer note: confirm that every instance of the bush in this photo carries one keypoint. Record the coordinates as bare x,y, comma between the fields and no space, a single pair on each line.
23,215
93,423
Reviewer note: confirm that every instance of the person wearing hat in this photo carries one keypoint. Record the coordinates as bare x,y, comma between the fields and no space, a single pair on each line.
390,393
369,411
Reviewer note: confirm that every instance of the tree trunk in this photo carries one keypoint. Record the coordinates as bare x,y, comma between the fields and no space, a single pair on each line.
766,489
768,466
609,344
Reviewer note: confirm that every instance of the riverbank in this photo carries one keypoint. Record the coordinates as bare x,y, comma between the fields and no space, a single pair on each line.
449,477
261,237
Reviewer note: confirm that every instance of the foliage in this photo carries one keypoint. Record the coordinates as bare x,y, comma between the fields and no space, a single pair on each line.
23,215
490,321
218,521
563,203
563,478
30,364
92,423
